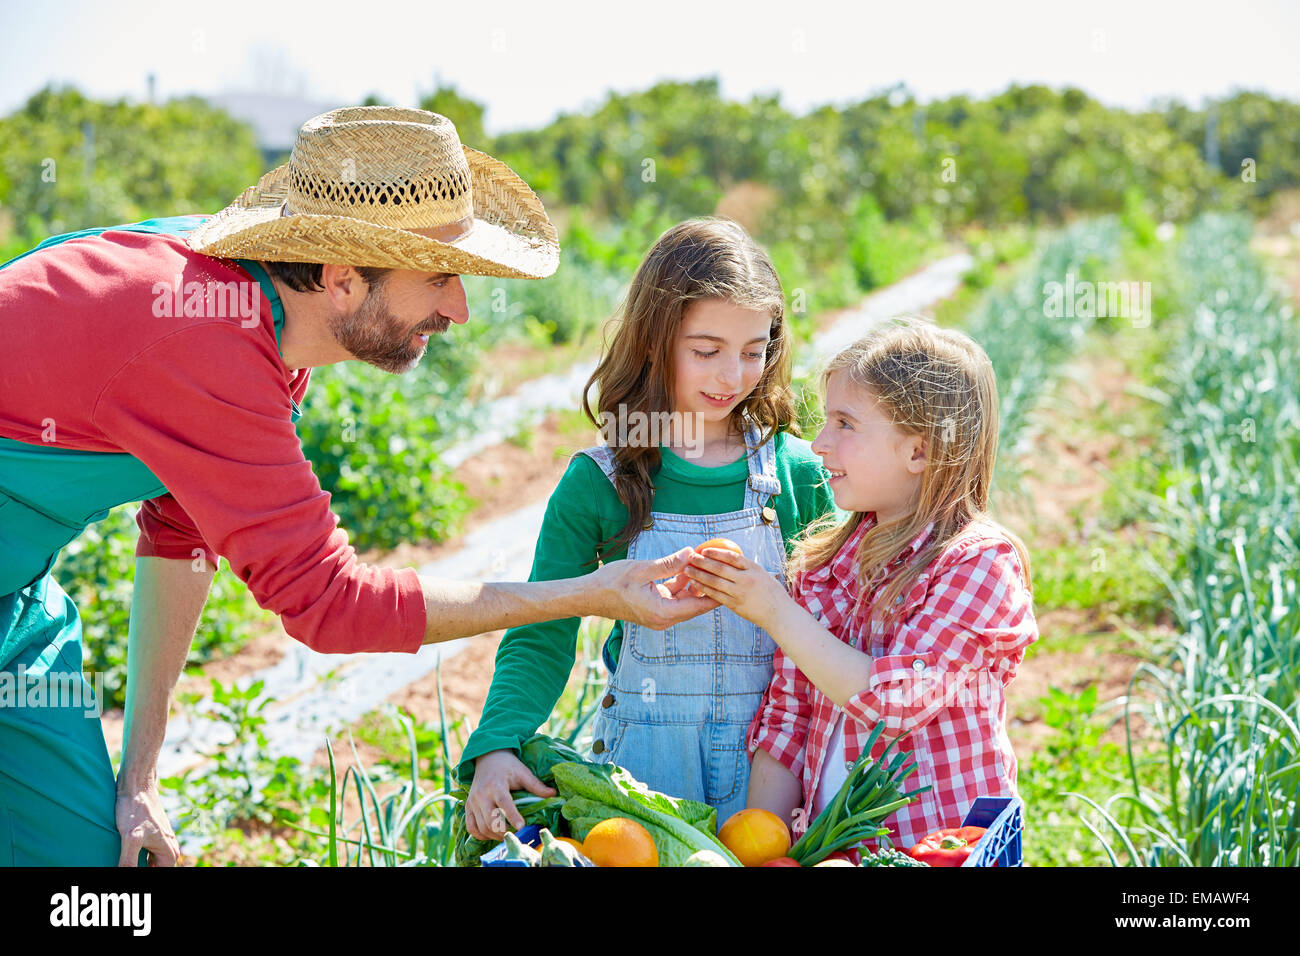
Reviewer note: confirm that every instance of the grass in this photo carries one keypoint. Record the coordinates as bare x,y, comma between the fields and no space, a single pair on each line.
1110,574
523,438
1073,761
1074,644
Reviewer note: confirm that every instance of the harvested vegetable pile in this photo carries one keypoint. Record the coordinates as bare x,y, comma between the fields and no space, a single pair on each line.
589,793
682,830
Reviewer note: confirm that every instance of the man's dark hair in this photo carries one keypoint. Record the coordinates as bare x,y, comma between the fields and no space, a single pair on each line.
305,276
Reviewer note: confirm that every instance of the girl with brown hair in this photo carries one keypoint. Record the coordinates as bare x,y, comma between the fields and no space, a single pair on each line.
693,397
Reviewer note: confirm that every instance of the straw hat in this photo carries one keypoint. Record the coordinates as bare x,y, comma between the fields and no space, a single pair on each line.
391,188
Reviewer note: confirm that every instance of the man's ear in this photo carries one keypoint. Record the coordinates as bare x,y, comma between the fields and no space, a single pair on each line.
344,287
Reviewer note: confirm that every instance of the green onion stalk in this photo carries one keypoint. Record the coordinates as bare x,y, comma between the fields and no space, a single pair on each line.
872,791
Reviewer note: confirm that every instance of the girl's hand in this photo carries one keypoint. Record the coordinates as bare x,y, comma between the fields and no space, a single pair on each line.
489,809
652,593
738,583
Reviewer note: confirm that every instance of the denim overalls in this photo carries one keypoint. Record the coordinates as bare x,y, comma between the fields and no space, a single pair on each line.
679,701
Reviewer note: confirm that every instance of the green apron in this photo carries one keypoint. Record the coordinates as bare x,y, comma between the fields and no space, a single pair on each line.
57,790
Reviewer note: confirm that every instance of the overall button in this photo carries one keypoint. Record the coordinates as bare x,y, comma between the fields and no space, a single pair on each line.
918,665
598,747
608,701
769,515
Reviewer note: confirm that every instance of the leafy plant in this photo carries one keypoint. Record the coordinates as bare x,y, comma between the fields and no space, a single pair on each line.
412,823
1073,759
408,826
241,784
97,570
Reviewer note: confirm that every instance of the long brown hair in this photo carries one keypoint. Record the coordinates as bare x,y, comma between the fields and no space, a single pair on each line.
698,259
939,384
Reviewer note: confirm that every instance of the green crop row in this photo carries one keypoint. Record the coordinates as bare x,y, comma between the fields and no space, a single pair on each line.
1224,694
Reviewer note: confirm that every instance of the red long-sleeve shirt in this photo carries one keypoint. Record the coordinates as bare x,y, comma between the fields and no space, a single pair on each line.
204,403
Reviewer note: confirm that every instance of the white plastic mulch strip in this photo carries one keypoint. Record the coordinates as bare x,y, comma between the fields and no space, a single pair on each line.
911,295
503,418
309,691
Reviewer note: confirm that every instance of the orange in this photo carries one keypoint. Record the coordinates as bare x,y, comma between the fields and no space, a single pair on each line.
726,543
619,841
755,836
576,844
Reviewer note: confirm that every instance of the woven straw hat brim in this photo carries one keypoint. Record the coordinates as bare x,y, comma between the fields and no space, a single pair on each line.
511,236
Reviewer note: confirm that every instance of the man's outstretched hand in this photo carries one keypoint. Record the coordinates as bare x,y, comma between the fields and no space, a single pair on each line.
652,593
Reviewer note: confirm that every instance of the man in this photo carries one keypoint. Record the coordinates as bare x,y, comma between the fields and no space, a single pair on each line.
164,362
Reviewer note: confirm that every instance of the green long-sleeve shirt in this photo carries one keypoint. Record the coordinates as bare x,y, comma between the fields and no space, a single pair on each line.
534,661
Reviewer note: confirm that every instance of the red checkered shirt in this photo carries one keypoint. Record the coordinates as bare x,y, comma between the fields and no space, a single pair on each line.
938,677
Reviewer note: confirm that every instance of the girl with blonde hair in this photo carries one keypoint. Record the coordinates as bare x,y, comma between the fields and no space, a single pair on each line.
914,612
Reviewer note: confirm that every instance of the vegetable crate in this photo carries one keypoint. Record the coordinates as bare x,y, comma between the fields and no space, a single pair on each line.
1003,822
528,836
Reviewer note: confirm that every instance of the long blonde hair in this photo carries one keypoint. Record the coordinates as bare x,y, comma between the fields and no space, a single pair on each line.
698,259
939,384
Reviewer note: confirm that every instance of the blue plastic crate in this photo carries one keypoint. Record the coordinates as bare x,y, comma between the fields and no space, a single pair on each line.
1003,819
530,835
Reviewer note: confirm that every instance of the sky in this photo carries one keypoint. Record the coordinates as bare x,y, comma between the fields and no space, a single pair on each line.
530,61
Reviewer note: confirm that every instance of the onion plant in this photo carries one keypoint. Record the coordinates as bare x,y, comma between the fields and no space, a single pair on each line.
1225,695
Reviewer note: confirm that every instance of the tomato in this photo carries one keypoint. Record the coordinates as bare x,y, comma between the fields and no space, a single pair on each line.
725,543
782,861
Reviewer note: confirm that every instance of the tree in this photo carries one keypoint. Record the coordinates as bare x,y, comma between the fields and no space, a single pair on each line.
467,114
68,162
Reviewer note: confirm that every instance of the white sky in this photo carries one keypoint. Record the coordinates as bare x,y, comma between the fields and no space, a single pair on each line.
529,61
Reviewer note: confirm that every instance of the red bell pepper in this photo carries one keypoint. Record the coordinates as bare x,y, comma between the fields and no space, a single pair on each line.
948,847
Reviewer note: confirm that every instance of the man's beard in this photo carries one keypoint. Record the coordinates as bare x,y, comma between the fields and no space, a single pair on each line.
374,335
